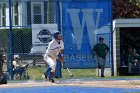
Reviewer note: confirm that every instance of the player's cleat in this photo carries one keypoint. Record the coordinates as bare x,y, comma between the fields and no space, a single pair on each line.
102,75
44,76
52,80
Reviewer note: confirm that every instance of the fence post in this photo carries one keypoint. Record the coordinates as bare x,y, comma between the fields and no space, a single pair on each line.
112,59
58,65
11,40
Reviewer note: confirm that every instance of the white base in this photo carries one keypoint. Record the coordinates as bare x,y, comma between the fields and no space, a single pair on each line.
107,72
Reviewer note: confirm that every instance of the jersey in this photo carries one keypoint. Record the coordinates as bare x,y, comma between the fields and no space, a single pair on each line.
132,59
101,49
54,48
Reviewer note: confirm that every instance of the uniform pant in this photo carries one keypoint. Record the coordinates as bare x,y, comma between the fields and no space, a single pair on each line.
101,63
52,66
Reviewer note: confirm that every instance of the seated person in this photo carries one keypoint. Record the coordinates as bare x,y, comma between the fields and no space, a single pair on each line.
133,60
18,67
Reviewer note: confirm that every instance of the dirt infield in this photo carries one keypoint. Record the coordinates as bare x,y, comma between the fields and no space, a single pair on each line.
77,82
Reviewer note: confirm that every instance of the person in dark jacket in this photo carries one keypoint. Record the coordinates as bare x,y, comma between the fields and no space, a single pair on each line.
100,51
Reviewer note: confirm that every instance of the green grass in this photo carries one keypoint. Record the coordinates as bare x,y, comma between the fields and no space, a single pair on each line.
35,73
79,73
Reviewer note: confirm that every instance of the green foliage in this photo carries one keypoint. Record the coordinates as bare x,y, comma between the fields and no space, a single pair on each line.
4,39
126,9
22,39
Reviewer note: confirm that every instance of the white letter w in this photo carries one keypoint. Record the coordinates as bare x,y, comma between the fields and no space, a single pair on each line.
87,20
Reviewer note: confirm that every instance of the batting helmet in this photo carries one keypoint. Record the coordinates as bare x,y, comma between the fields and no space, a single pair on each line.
56,34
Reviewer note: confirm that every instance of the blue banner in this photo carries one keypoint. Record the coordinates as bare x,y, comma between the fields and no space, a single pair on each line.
83,21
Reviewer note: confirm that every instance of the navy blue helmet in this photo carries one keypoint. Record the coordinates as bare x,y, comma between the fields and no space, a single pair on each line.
56,34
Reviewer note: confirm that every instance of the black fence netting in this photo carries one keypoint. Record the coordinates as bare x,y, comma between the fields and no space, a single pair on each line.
24,13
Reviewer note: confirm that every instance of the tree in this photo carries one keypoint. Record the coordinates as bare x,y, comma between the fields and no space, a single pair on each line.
126,9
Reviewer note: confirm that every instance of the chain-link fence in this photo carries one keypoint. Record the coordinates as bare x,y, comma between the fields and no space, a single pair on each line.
24,13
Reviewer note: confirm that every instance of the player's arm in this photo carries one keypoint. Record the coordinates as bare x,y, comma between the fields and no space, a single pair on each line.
14,64
94,50
107,50
138,58
61,56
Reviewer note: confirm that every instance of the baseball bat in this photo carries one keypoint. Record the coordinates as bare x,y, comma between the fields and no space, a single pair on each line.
70,72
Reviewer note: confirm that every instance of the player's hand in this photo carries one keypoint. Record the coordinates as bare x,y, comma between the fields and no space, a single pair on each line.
61,59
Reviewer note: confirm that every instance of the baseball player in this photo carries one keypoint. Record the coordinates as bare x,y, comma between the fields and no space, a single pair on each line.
55,47
100,52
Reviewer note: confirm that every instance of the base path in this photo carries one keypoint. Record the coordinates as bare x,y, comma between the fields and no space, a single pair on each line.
107,83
